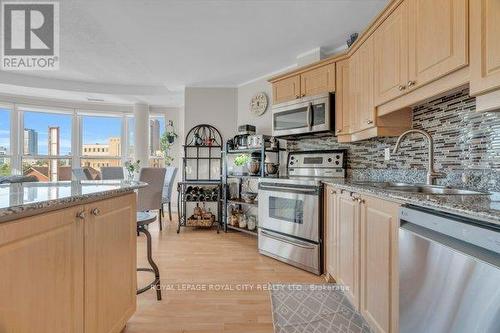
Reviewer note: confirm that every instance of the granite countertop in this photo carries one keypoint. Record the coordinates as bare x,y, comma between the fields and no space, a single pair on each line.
26,199
485,208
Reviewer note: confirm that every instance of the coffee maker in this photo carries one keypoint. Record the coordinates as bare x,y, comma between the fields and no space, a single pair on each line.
240,141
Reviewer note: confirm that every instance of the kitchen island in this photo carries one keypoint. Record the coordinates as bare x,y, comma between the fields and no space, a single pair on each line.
67,256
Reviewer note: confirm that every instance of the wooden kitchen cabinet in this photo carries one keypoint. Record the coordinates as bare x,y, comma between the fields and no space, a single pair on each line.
286,90
438,45
362,253
365,110
379,263
391,55
360,86
331,229
317,81
348,246
110,264
72,270
312,82
421,41
41,265
342,99
484,46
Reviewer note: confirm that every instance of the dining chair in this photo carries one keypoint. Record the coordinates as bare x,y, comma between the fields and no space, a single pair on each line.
79,174
112,173
167,191
150,197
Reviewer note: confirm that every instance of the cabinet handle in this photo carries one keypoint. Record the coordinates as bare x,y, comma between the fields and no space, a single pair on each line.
360,200
303,95
81,215
369,121
401,88
339,130
96,211
411,83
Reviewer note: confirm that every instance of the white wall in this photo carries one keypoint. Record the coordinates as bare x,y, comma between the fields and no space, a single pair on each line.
213,106
244,116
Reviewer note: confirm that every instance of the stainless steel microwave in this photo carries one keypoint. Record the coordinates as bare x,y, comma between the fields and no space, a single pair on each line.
310,115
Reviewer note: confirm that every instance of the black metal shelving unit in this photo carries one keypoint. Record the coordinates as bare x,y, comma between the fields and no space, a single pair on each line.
203,152
238,202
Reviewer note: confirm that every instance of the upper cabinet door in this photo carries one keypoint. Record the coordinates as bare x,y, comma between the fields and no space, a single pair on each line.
391,55
342,110
437,39
484,46
318,81
366,110
286,90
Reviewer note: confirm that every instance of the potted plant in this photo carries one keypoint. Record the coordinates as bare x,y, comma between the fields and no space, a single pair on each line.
240,163
132,168
166,142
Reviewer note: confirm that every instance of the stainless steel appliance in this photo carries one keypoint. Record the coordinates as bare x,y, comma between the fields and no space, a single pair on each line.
241,140
304,116
257,141
290,208
449,273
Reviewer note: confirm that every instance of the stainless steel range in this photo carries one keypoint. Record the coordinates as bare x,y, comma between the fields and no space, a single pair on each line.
290,208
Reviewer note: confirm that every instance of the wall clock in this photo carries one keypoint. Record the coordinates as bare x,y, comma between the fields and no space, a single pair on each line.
258,104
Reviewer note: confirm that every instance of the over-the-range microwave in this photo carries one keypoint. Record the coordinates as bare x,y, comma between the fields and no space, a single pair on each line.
312,115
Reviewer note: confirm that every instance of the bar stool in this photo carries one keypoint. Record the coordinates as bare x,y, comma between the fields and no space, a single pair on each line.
143,220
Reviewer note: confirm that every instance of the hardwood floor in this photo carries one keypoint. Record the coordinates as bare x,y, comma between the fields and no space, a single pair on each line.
205,259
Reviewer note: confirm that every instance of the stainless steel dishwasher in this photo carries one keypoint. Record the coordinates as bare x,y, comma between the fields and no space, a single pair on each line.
449,273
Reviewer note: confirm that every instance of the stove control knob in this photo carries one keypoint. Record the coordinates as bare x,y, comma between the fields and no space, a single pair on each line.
337,162
329,159
337,157
291,163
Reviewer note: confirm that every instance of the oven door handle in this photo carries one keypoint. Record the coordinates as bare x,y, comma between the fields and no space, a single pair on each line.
313,191
287,240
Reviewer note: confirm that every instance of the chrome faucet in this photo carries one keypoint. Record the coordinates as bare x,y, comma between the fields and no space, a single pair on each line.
432,175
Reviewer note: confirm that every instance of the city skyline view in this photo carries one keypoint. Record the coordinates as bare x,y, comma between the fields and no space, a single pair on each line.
96,130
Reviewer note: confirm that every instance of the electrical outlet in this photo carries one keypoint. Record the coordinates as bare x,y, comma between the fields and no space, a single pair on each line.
387,154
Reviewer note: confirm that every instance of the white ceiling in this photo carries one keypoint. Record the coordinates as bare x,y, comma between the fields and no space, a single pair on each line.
149,50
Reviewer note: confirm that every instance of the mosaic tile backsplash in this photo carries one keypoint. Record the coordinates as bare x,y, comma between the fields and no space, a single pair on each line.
466,143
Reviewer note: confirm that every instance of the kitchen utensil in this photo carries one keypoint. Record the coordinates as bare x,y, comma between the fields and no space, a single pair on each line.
248,197
254,167
251,222
272,168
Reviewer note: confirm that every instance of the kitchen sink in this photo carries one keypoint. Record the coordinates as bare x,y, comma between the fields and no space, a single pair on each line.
419,188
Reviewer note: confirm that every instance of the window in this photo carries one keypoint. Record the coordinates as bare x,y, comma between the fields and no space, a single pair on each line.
156,130
5,168
131,138
101,142
46,145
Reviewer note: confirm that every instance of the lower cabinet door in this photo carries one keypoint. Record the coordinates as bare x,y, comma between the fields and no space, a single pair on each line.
41,273
331,232
110,264
348,246
379,263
